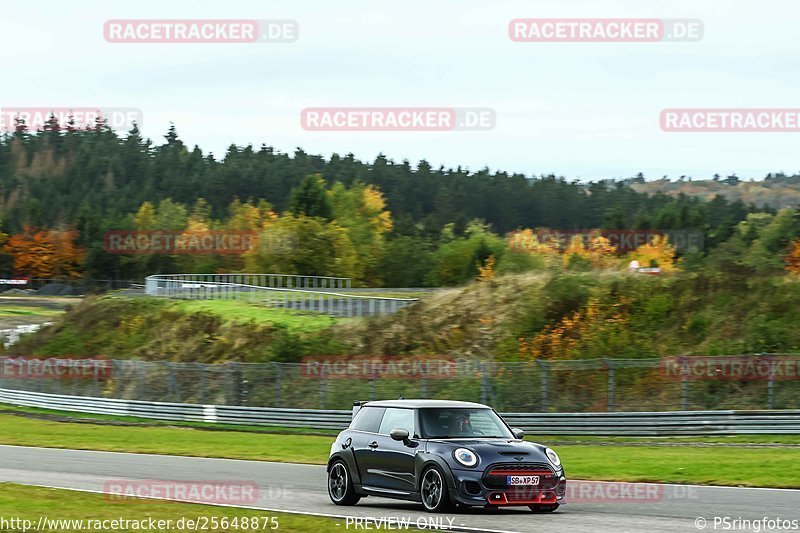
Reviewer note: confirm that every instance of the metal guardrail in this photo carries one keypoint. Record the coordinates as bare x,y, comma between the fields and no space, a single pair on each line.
274,281
275,290
668,423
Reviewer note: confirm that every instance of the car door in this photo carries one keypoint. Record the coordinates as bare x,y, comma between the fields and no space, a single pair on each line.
364,435
390,463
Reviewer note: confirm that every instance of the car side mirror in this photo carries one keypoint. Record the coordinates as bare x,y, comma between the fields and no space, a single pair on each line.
518,433
399,434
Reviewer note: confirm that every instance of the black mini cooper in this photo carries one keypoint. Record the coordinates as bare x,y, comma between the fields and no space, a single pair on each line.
441,453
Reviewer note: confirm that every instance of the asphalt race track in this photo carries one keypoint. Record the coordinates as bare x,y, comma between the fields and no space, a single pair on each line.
294,487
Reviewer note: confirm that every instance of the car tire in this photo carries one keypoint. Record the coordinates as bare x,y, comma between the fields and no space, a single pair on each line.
544,508
340,485
433,491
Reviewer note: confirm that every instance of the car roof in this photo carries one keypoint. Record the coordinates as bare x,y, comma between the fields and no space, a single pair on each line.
422,404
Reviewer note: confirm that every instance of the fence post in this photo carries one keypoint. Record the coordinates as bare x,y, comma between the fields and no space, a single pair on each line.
170,381
323,389
140,386
545,385
202,368
96,380
278,384
685,387
372,384
771,385
236,384
484,383
611,384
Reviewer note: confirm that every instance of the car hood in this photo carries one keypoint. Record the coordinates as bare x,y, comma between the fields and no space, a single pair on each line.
498,448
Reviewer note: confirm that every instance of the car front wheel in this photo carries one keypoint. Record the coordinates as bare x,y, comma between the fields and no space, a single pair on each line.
433,491
340,485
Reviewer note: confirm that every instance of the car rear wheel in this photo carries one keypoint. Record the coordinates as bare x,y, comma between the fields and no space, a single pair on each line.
543,508
433,491
340,486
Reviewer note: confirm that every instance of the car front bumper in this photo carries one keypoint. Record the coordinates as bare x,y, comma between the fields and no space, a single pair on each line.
478,488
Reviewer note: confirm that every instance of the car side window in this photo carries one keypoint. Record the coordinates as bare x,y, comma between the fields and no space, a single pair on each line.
397,419
368,419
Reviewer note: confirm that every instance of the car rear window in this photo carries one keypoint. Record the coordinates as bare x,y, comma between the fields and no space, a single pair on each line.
368,419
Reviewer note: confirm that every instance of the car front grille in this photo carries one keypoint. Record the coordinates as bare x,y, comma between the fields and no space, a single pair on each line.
495,476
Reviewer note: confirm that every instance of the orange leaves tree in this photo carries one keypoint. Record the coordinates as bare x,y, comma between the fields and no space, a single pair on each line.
793,257
656,253
45,253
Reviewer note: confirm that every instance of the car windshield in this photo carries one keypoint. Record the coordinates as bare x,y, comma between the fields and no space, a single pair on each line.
460,423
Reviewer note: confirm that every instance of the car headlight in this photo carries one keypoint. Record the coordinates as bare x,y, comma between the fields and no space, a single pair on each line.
465,457
552,456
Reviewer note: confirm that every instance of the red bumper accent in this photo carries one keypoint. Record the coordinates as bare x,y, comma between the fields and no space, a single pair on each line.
522,497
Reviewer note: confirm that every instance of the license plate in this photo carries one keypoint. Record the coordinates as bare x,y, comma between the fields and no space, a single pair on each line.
522,480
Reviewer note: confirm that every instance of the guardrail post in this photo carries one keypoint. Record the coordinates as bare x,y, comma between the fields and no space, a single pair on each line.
611,385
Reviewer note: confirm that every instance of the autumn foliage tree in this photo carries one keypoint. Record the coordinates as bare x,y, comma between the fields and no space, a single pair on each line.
656,253
45,253
793,257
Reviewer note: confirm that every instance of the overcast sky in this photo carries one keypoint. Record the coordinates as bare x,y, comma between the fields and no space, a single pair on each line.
582,110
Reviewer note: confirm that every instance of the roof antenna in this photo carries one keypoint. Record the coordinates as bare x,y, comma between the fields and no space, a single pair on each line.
401,398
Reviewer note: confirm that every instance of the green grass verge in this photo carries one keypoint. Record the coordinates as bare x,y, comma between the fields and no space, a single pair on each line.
31,503
68,416
170,441
19,310
735,440
243,311
756,467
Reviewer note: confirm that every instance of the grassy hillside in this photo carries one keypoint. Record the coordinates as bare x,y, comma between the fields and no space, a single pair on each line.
522,317
776,193
199,331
